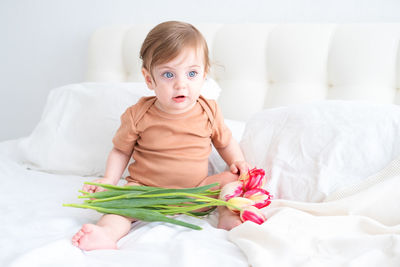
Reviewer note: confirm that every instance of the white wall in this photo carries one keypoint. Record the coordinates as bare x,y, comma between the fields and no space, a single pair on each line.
43,42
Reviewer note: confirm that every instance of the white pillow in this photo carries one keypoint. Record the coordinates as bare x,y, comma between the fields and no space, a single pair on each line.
310,151
74,135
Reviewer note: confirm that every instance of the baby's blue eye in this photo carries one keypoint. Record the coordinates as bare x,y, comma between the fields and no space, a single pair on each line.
168,75
192,74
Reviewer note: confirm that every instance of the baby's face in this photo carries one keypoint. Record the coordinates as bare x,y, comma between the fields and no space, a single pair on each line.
178,82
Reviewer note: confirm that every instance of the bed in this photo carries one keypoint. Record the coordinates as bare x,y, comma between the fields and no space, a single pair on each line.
315,105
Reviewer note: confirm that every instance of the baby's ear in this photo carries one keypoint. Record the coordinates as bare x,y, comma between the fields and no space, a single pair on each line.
148,79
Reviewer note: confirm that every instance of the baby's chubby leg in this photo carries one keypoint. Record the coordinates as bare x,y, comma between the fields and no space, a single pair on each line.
227,219
222,178
104,234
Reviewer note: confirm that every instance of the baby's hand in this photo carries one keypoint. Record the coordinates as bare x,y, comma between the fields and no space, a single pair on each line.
239,167
94,188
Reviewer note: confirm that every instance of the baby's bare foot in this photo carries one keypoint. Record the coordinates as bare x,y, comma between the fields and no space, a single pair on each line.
92,237
228,220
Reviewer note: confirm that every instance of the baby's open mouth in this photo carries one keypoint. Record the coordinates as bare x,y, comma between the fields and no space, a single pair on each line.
179,98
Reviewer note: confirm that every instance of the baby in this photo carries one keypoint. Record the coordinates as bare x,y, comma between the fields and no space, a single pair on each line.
168,135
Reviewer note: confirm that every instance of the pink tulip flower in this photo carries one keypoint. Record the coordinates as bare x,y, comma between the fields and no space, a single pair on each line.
255,178
261,197
252,214
230,190
240,202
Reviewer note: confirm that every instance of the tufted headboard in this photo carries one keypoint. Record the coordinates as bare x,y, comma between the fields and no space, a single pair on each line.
268,65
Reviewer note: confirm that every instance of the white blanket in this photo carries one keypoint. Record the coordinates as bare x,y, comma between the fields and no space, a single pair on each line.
360,228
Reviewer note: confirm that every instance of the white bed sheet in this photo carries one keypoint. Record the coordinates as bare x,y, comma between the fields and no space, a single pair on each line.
36,229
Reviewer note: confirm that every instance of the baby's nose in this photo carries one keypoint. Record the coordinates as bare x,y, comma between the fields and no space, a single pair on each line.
179,83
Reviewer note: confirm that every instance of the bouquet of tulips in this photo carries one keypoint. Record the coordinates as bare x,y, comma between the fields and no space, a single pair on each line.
248,195
151,204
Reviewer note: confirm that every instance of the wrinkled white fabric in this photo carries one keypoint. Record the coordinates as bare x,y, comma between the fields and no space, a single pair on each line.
361,229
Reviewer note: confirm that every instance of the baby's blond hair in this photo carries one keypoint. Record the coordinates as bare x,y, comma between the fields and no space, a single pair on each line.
166,40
